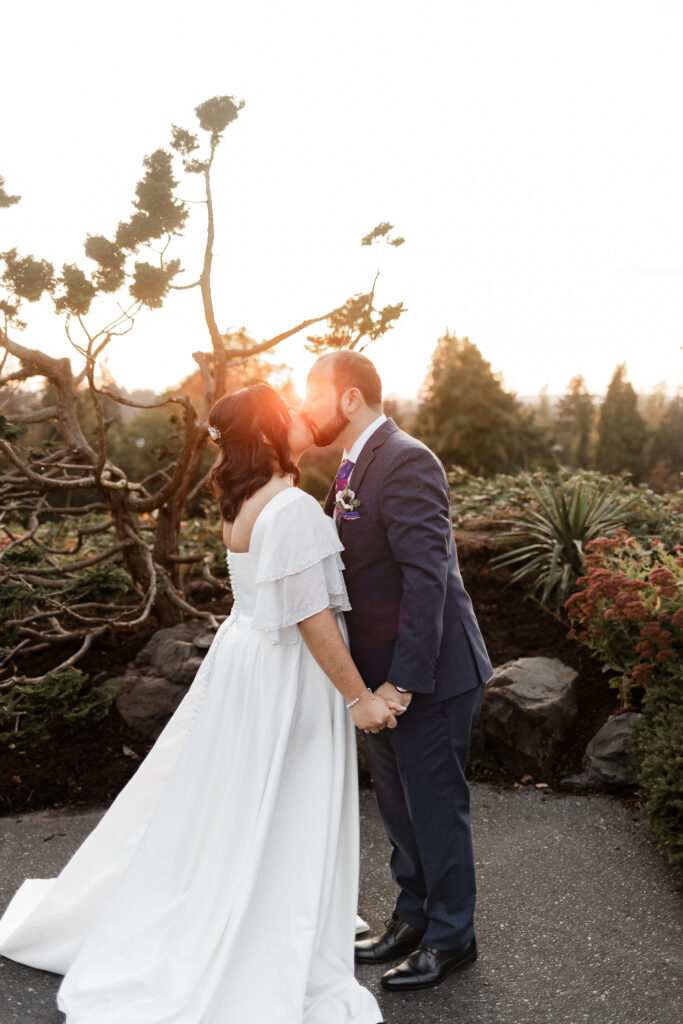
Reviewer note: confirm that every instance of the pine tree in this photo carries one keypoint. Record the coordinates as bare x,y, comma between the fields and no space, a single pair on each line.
575,414
665,449
543,411
653,407
469,420
621,430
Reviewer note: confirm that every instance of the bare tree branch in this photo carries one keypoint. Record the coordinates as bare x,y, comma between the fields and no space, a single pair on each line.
195,612
51,412
234,354
45,484
185,287
18,375
116,397
85,563
199,486
87,642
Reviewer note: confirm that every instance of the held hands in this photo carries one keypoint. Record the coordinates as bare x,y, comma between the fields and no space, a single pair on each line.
372,713
397,701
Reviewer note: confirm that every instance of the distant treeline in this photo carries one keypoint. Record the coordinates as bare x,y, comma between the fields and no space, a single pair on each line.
463,414
469,420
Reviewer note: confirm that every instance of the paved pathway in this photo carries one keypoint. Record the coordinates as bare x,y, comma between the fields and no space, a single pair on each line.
579,918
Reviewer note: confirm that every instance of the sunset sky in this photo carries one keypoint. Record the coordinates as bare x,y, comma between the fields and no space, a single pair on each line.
531,154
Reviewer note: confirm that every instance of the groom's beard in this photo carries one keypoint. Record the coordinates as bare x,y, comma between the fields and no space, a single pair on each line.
330,431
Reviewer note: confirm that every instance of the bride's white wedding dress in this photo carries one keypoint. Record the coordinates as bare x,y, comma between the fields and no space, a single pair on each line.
220,886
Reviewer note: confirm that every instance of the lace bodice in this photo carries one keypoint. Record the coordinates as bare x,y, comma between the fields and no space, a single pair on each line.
293,567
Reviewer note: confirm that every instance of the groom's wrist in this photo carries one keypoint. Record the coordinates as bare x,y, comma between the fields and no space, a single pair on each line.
401,689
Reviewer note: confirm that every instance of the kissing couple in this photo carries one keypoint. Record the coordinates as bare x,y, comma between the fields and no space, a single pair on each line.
221,885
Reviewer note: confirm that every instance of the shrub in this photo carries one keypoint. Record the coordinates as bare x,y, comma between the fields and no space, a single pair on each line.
550,533
628,610
24,554
28,711
506,493
100,583
657,746
15,598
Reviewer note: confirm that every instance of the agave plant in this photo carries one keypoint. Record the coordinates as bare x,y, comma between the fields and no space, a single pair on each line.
550,534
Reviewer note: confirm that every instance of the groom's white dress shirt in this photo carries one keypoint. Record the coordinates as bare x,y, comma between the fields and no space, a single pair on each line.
359,443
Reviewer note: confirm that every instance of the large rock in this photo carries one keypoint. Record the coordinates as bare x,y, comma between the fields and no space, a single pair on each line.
147,702
607,764
158,679
175,653
529,706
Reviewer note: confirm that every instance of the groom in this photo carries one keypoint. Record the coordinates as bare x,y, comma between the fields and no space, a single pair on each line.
415,639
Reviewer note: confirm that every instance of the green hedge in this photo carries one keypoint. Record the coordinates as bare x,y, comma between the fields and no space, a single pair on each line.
657,746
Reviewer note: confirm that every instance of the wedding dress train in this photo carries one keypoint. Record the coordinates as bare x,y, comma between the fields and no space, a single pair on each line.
220,886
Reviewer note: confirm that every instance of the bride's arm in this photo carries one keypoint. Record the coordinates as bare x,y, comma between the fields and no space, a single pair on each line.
323,638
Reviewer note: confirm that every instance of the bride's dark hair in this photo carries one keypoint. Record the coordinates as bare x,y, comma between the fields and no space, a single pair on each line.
254,442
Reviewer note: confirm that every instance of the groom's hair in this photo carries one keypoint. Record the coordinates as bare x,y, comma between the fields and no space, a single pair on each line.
353,370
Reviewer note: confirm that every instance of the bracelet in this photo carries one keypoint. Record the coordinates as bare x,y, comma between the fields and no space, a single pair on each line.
366,690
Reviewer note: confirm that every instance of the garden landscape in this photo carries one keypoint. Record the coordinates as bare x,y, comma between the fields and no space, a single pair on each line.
110,534
567,513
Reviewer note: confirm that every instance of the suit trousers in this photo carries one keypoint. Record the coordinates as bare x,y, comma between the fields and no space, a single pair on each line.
418,770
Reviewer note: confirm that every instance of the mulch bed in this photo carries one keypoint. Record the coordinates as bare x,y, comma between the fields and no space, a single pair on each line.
82,767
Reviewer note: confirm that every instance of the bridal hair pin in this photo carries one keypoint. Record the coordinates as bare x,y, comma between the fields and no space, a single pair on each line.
215,433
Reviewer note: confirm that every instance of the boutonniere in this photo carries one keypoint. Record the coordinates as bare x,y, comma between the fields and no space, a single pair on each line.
346,503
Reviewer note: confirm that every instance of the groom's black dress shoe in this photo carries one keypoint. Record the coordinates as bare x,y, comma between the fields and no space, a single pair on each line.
426,967
398,939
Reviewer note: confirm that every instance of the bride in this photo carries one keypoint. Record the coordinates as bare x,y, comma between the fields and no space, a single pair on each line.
221,884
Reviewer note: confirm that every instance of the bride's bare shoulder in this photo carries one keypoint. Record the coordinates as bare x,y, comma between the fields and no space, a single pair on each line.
237,535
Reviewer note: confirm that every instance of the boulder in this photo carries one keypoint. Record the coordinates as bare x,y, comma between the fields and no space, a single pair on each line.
607,764
158,679
529,706
147,702
176,653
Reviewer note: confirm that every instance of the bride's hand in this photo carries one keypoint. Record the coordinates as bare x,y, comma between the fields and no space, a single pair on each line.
372,714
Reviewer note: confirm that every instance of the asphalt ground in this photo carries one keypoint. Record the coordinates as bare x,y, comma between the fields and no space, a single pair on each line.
579,917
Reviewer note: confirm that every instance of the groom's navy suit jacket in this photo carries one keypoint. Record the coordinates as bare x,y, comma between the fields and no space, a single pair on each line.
412,621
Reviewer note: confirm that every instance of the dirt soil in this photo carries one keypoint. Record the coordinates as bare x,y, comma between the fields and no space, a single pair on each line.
90,765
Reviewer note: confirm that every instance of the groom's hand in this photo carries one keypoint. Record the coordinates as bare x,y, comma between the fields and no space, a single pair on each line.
397,701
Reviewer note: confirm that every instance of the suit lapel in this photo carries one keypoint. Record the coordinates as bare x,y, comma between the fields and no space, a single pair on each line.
367,456
365,460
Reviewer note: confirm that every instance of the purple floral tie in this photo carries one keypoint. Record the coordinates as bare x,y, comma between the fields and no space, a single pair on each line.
340,483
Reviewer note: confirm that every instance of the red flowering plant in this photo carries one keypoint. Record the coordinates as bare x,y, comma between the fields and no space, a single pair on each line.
628,610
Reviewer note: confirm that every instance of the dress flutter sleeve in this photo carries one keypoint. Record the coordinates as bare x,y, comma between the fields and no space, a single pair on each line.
299,570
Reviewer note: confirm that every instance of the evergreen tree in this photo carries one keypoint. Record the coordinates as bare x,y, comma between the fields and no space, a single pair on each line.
469,420
665,449
653,407
621,430
573,424
543,413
